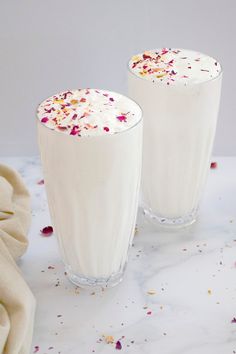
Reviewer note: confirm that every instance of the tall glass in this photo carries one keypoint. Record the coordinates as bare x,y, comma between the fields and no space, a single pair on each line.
179,129
92,185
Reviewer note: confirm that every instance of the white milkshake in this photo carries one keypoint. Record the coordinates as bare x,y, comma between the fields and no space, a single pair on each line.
90,142
179,93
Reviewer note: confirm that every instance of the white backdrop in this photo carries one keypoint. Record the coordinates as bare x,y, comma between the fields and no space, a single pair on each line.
51,45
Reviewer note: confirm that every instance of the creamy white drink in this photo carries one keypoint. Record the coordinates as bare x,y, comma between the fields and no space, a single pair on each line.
179,93
90,142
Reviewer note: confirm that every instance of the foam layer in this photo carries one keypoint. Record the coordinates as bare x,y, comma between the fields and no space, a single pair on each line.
88,112
174,66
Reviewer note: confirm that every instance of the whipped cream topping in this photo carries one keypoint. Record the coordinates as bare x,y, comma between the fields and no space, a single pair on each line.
174,66
88,112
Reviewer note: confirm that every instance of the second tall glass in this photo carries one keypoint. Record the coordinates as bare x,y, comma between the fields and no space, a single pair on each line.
179,93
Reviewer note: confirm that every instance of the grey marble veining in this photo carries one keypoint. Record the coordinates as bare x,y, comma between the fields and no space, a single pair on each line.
192,273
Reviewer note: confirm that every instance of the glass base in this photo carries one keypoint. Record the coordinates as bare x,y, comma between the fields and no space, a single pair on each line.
91,282
179,222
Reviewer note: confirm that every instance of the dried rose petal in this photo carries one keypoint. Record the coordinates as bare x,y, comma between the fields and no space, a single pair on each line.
66,94
164,51
111,99
44,120
118,345
48,110
106,129
213,165
149,312
40,182
36,349
83,99
145,56
122,118
47,231
233,320
74,130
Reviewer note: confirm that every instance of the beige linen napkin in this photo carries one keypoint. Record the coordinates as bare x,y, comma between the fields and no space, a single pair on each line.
17,303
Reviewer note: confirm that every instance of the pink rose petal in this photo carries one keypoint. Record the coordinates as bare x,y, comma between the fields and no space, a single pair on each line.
121,118
66,94
48,110
75,130
145,56
118,345
47,231
164,51
44,120
74,116
213,165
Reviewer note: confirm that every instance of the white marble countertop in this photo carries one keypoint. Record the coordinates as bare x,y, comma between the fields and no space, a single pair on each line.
192,272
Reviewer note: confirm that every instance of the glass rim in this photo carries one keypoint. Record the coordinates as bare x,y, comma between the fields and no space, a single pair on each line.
220,73
140,119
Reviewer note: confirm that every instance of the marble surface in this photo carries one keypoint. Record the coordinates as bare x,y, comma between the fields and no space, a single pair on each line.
192,273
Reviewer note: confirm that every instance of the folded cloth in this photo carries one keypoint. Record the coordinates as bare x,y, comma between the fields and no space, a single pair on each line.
17,303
